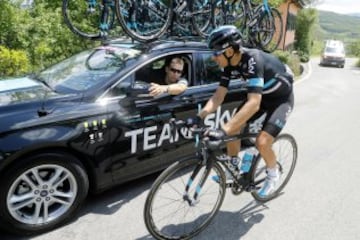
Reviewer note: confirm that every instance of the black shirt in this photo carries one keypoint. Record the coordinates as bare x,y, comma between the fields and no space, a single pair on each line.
263,73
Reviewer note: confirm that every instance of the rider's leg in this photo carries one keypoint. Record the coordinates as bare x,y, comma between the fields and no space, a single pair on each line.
263,143
233,148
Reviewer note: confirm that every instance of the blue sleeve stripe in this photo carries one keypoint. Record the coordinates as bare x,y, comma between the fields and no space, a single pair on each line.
255,82
269,83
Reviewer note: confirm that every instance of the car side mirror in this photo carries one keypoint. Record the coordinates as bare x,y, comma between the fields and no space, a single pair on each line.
139,89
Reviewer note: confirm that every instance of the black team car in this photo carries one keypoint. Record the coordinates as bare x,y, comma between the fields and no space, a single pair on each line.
88,123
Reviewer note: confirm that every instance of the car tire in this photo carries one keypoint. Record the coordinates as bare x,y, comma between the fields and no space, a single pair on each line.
41,192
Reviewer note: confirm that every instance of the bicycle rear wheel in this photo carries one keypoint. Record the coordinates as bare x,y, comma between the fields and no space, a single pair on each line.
87,19
172,210
270,30
144,21
285,149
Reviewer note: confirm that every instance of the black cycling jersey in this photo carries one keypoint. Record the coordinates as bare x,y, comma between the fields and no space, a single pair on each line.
264,74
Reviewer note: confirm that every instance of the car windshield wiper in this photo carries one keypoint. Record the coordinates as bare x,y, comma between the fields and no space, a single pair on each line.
40,80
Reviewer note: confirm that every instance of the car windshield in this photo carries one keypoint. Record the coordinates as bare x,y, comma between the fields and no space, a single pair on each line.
334,50
87,69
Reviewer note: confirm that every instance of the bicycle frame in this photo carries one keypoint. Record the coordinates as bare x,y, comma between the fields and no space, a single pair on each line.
207,156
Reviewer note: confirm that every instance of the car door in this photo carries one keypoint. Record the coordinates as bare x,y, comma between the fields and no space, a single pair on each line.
141,139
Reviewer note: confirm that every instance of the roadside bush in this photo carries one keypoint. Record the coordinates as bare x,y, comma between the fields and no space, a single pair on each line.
292,60
358,63
13,62
39,32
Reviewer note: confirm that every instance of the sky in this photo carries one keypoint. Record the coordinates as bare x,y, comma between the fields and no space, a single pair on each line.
340,6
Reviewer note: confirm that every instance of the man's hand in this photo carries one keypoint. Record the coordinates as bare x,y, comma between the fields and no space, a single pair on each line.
215,134
156,89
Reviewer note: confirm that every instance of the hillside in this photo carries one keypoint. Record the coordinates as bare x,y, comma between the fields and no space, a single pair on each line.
339,26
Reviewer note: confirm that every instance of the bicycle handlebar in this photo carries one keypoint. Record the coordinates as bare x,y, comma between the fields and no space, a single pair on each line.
200,132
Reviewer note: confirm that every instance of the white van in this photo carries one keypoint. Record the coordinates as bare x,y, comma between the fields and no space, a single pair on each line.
333,53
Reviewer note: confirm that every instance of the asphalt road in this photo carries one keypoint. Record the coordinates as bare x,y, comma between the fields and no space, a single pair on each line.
321,201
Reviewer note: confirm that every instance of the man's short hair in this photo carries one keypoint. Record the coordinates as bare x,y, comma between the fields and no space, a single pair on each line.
174,59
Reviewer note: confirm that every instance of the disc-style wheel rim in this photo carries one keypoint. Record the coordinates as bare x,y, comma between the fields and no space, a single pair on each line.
42,194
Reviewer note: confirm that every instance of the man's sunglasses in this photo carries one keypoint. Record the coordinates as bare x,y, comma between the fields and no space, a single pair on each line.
218,53
176,70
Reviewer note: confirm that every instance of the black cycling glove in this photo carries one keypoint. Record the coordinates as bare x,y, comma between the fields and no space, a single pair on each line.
215,134
194,121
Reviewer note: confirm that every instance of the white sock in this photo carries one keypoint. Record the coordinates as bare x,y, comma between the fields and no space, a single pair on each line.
272,172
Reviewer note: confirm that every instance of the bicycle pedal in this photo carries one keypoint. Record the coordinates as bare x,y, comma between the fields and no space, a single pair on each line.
252,188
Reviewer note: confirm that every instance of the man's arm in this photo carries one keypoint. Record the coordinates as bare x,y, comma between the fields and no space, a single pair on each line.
172,89
177,88
251,106
214,102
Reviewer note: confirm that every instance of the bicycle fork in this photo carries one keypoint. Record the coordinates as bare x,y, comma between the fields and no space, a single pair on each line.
193,200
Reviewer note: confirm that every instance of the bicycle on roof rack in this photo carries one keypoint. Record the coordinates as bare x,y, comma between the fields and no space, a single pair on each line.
92,19
142,20
148,20
187,195
261,25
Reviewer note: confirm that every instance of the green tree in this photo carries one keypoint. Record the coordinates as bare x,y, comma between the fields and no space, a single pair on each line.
13,62
38,31
305,21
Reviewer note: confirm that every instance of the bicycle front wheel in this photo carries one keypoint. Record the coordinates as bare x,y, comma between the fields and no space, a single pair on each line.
203,17
144,21
88,19
285,149
178,205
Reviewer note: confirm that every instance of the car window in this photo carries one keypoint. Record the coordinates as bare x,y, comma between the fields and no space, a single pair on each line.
212,72
154,71
334,50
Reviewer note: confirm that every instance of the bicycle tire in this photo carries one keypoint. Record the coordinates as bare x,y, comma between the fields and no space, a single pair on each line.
236,14
171,229
286,168
270,30
86,23
202,17
136,19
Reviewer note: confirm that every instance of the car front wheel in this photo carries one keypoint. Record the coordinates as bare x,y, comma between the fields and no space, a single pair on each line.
41,192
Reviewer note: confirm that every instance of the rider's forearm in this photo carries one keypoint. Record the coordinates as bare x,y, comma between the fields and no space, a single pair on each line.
214,102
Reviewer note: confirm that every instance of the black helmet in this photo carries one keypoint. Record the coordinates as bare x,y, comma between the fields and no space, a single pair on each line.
224,37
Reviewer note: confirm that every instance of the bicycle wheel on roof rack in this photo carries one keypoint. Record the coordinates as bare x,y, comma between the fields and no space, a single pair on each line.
91,20
235,14
203,17
144,21
270,30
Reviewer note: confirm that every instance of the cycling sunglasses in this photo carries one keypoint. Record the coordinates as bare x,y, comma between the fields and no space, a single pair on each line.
174,70
218,53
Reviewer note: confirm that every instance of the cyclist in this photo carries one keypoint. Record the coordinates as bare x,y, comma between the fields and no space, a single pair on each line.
269,85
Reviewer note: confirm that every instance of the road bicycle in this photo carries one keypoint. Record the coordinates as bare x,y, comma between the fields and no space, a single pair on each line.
92,19
261,25
186,197
147,20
